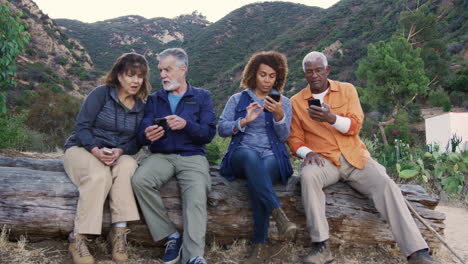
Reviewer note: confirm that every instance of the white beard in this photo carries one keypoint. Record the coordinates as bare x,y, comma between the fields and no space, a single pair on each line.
171,86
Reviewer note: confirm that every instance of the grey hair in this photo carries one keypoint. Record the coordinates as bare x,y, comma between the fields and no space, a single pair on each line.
179,54
313,56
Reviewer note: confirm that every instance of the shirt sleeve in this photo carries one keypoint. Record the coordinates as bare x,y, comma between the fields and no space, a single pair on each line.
354,112
89,111
283,127
226,120
303,151
342,124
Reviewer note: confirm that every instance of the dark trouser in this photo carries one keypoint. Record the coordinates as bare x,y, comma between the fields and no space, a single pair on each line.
261,173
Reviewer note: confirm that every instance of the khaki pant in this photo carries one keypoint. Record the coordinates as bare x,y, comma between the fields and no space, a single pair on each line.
371,181
193,178
95,181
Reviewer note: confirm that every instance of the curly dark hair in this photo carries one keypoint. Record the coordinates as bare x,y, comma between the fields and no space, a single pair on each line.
275,60
134,63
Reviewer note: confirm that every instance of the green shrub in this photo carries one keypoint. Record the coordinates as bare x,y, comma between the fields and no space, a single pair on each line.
12,130
53,114
216,149
439,97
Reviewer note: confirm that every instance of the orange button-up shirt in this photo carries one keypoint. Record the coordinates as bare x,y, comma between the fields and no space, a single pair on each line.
322,137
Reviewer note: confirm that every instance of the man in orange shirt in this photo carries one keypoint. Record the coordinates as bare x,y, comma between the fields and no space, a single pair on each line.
327,138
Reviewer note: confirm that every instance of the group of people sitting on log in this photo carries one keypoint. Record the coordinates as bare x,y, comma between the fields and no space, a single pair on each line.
320,124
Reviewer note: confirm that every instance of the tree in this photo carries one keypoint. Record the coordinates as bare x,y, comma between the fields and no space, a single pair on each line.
422,28
394,74
12,41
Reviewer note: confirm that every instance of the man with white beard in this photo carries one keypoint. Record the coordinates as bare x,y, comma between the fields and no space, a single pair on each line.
178,122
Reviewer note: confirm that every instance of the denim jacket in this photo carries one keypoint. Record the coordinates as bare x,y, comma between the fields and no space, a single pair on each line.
278,147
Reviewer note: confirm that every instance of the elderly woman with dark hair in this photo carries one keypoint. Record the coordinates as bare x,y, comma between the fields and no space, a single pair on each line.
97,155
259,125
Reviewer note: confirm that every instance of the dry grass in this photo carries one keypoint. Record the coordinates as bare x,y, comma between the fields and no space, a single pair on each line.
55,252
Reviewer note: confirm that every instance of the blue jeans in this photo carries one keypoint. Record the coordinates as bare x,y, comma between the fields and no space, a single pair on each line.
260,173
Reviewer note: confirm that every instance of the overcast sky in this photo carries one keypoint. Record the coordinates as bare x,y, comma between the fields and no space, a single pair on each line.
98,10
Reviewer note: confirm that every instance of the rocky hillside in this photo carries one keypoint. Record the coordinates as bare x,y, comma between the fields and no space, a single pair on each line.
51,60
106,40
219,51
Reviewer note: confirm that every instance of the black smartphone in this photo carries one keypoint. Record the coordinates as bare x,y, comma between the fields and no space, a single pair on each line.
162,122
315,102
275,95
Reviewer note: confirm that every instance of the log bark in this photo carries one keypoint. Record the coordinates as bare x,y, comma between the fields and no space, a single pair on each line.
38,200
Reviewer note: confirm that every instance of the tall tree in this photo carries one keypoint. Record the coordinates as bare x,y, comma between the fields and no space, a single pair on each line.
394,74
423,28
12,40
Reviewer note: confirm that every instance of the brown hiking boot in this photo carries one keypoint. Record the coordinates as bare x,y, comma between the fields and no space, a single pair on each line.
421,257
286,229
117,238
79,251
320,254
260,253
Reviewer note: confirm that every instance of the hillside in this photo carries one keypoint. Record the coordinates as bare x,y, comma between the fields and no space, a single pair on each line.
106,40
218,51
51,60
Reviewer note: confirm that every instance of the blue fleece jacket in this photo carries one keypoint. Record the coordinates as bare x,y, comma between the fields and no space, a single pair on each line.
196,108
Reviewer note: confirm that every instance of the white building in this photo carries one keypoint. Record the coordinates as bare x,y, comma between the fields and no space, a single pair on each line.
440,129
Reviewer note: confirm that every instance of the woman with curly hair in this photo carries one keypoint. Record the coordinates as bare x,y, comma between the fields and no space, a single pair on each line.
259,124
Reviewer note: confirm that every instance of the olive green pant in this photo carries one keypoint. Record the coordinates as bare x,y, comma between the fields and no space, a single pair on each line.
95,181
371,181
192,175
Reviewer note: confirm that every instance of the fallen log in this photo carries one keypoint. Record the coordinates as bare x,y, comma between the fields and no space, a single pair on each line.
38,200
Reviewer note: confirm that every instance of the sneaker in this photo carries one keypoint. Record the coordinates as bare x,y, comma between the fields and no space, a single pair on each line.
173,249
79,251
260,253
320,254
421,257
117,238
197,260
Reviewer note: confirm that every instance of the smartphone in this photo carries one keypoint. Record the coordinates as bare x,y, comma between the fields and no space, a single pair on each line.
315,102
275,95
162,122
107,152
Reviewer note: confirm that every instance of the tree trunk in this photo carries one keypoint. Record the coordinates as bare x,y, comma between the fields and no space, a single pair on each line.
38,200
382,125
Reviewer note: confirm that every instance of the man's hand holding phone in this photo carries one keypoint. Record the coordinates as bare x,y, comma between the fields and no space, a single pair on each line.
320,112
157,130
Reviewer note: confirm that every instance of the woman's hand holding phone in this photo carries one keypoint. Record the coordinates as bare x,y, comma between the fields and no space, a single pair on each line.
273,104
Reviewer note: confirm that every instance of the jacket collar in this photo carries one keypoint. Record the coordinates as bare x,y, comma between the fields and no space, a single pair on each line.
163,93
307,94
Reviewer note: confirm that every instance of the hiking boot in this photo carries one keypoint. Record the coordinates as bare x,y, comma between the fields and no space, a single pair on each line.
320,254
117,238
79,251
421,257
173,249
197,260
260,253
286,229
